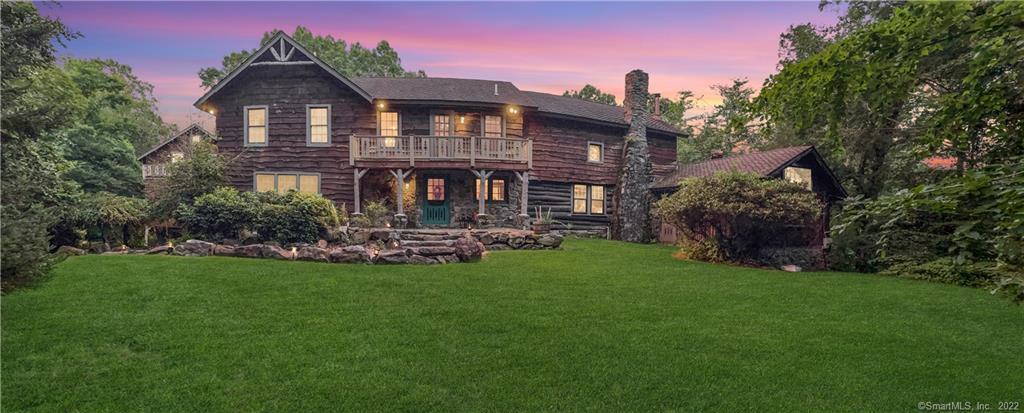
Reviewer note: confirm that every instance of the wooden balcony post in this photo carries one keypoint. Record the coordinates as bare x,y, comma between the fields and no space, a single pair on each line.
352,145
482,190
524,181
472,152
529,154
412,150
357,174
400,176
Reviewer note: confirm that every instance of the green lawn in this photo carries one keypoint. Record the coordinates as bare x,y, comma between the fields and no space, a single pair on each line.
598,325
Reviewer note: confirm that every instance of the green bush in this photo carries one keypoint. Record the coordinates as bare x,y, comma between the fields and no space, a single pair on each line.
377,213
947,270
732,216
200,172
285,218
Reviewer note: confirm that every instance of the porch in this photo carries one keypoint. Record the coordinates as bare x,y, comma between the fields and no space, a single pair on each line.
446,198
440,152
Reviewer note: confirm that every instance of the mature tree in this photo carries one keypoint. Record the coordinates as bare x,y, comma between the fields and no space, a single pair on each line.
101,161
118,102
905,80
591,93
349,60
35,101
200,172
730,125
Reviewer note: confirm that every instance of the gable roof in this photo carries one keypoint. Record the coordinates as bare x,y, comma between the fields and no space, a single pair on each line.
579,108
193,128
766,163
284,56
443,89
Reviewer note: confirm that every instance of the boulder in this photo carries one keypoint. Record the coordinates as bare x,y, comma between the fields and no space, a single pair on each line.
431,251
98,247
356,254
225,250
160,249
249,251
360,237
322,243
550,240
791,268
498,247
194,248
398,256
312,253
419,259
380,235
275,252
486,239
468,249
516,242
69,250
445,259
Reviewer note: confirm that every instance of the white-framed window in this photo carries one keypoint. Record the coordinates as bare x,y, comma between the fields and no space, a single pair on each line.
195,138
388,126
441,125
588,199
494,126
255,125
799,175
595,152
282,182
318,125
495,189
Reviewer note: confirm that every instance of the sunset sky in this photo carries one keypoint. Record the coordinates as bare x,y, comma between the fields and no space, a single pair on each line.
547,47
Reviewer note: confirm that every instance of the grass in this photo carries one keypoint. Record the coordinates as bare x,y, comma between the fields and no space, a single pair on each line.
599,325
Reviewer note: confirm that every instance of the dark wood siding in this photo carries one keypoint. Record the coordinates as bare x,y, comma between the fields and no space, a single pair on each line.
558,197
286,90
560,150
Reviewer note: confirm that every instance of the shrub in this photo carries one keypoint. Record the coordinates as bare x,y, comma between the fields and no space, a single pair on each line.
219,215
284,218
947,270
377,213
731,216
200,172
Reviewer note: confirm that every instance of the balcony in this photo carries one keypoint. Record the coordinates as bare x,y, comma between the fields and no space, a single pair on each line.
440,151
154,170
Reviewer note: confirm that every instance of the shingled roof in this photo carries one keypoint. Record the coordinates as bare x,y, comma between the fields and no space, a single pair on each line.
440,89
192,129
765,163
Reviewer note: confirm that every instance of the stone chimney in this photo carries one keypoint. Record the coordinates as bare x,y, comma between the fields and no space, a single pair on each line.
634,200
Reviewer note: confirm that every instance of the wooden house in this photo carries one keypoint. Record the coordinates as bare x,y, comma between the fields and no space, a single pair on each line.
441,152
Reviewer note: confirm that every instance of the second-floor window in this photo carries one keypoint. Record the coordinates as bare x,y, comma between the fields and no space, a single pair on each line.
318,124
493,126
387,124
442,125
255,125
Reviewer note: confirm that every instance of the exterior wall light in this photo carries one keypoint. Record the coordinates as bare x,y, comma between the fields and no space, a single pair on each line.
380,105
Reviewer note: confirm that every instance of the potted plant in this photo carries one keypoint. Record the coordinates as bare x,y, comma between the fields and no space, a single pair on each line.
542,221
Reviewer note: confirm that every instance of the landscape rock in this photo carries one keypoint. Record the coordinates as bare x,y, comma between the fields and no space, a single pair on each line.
398,256
468,249
225,250
160,249
791,268
69,250
275,252
322,243
249,251
354,254
419,259
312,253
516,242
550,240
431,251
360,237
194,248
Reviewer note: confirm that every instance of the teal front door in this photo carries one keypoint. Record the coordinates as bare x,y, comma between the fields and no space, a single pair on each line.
435,204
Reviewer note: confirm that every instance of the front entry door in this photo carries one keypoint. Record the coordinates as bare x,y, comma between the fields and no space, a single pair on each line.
435,206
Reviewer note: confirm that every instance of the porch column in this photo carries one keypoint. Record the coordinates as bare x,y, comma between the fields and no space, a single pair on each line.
482,191
524,181
357,174
400,175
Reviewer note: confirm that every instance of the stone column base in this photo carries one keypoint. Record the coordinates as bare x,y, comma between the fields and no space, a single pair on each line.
483,221
401,221
522,221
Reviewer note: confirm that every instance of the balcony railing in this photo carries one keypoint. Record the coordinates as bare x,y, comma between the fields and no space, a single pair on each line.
154,170
439,148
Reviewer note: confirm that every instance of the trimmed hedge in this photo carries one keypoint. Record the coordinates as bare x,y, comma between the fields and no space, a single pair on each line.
226,213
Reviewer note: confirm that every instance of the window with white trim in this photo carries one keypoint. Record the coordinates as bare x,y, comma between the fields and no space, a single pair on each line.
318,124
800,176
442,125
588,199
286,181
256,125
387,124
493,126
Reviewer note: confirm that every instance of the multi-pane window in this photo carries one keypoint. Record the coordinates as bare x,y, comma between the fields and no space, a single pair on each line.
318,124
284,182
595,152
195,138
177,156
588,199
493,126
435,189
388,126
442,125
256,125
496,190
